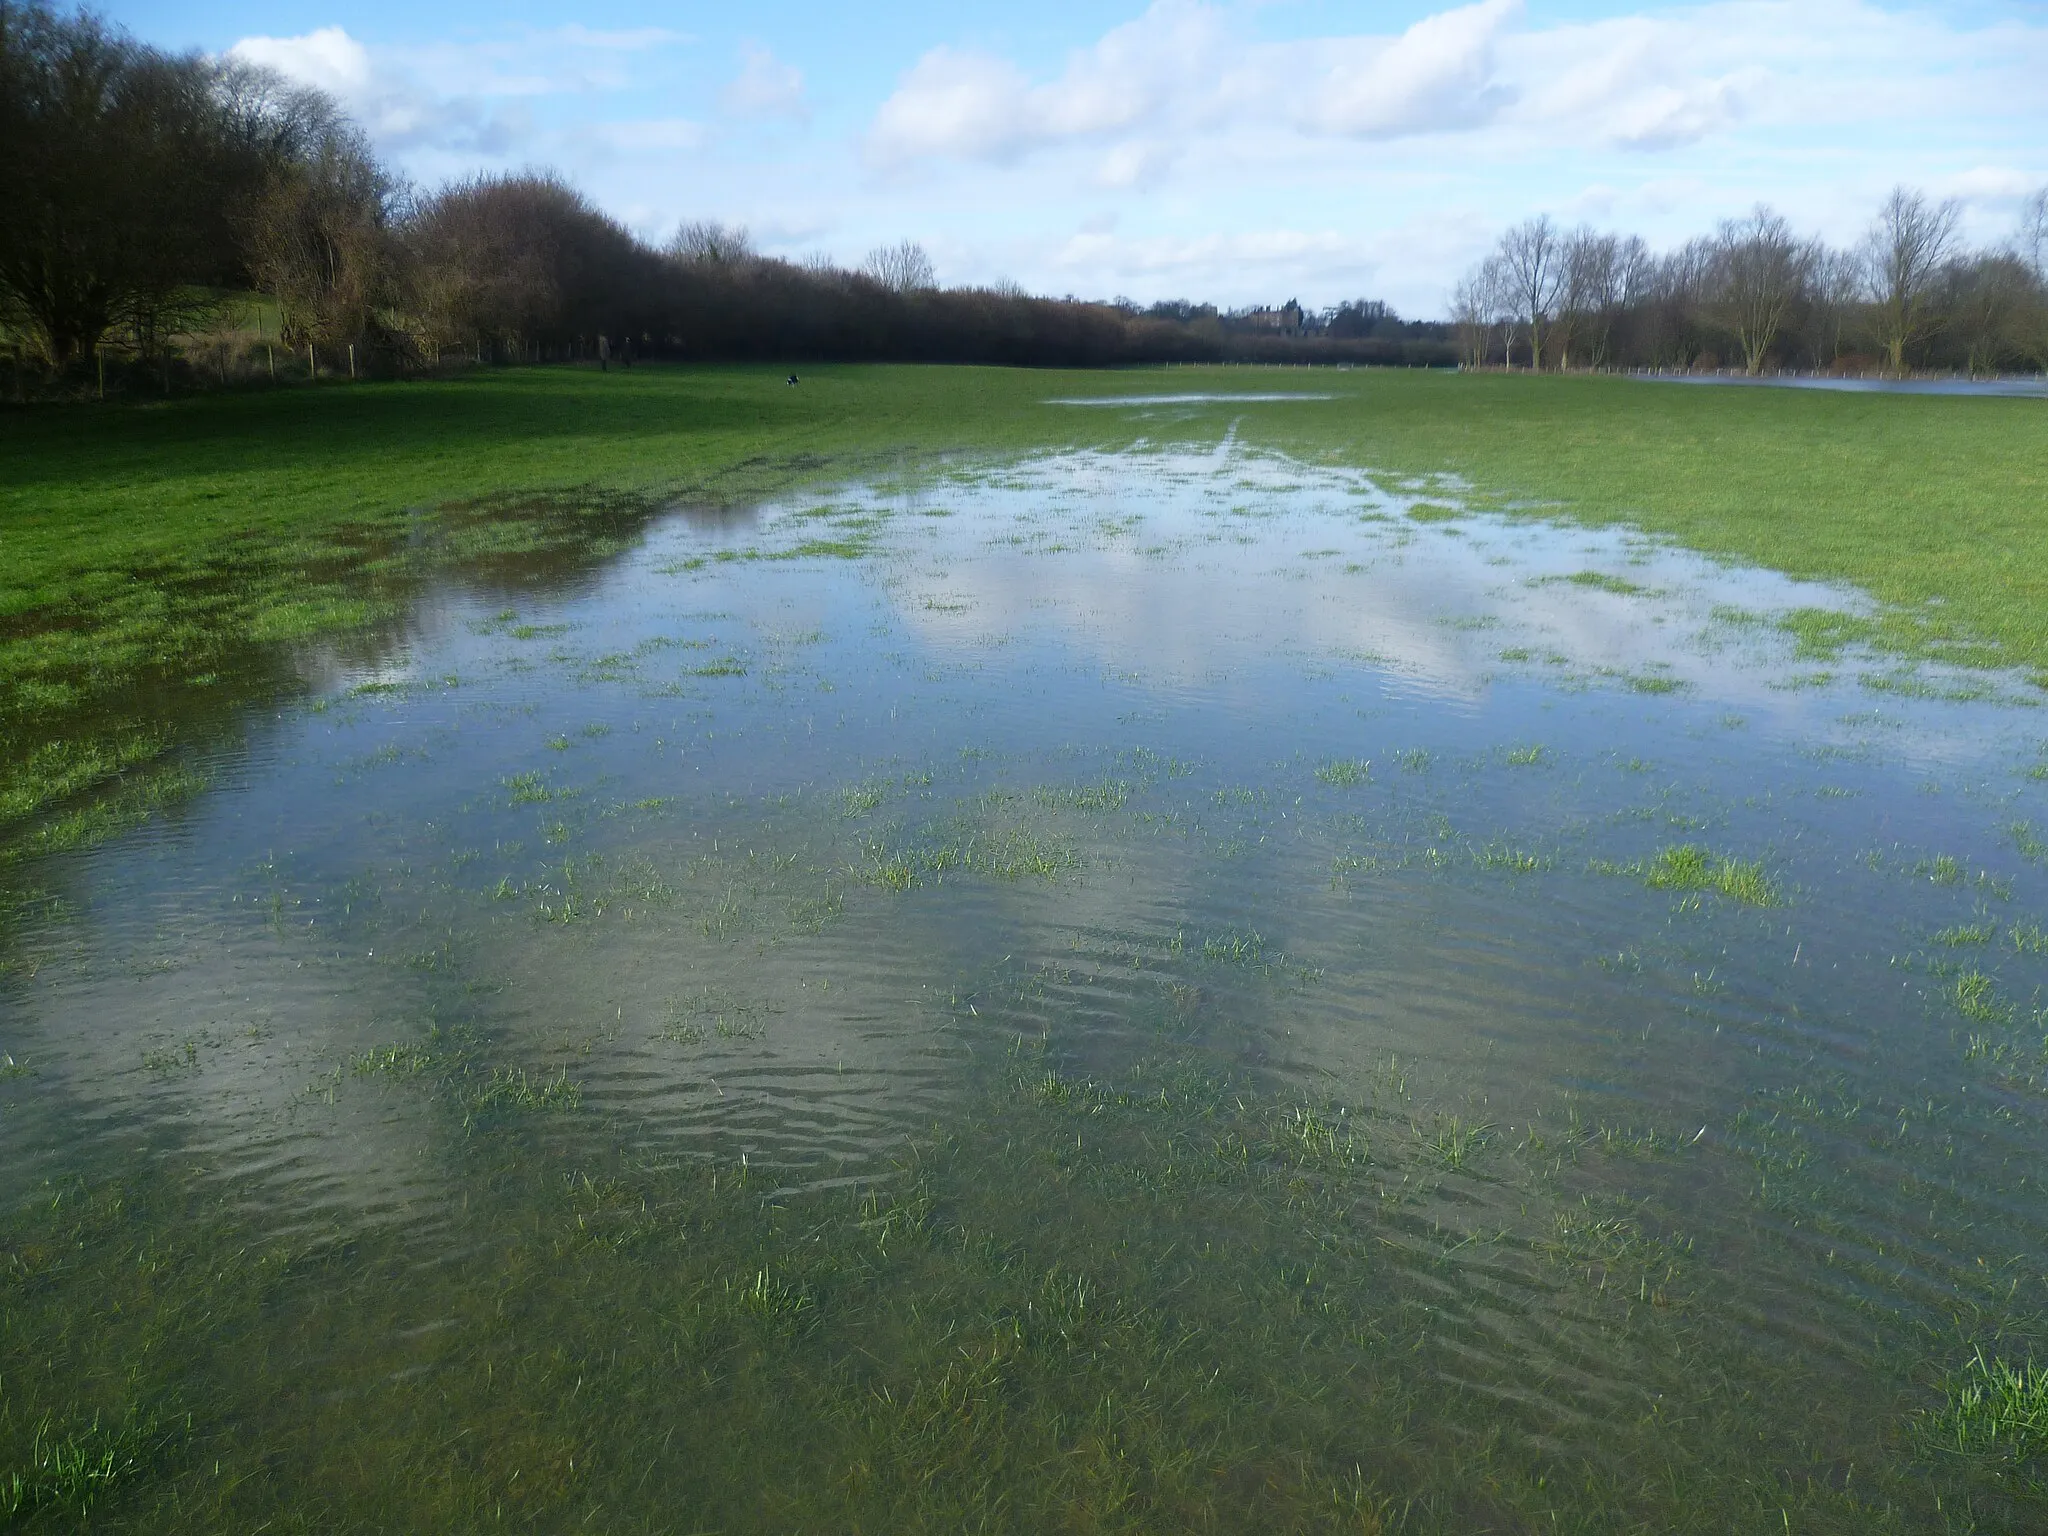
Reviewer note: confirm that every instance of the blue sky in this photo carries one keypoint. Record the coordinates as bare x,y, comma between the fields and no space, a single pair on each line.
1234,152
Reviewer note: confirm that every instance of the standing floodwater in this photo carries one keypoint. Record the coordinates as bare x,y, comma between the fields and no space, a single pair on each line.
1146,991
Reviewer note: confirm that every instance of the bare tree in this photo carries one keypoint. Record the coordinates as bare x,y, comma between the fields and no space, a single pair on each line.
113,174
711,244
1580,260
2030,244
319,240
1633,272
1904,254
1603,276
903,267
1988,298
1759,273
1836,285
481,260
1473,311
1533,273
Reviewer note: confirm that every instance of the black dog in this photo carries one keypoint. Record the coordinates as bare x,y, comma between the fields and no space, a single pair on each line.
792,378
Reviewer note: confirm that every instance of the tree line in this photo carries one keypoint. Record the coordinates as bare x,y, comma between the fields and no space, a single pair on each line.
145,196
1757,296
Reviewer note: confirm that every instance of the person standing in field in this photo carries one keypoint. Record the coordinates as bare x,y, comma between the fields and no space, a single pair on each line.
604,353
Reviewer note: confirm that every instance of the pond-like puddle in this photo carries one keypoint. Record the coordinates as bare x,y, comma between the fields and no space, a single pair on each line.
1191,399
1155,990
2020,388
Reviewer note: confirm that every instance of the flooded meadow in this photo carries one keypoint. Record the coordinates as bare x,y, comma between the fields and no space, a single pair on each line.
1180,989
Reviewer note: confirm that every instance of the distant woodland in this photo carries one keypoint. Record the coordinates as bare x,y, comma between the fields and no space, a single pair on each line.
180,220
172,221
1756,296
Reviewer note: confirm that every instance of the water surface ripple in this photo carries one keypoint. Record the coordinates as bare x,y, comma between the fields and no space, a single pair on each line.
786,849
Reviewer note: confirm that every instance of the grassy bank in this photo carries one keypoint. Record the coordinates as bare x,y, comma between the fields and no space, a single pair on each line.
145,548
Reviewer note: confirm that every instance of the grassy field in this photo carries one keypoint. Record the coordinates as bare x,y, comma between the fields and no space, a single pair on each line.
146,547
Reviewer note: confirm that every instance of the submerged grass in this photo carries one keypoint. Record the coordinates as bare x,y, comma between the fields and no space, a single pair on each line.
1345,772
1689,867
455,1064
68,1472
1012,853
1992,1407
1008,1331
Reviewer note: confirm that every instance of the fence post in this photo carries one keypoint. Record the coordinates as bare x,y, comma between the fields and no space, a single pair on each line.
351,360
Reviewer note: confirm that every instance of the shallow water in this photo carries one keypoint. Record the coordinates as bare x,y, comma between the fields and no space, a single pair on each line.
1155,990
1188,399
2026,388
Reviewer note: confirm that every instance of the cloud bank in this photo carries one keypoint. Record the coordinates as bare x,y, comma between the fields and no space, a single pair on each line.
1193,146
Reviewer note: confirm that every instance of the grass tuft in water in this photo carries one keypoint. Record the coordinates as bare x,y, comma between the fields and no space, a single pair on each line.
1602,582
1109,795
1976,997
1345,772
1519,861
1992,1408
527,789
1964,935
860,799
1689,867
1234,949
128,804
1015,854
770,1298
1455,1140
72,1471
511,1088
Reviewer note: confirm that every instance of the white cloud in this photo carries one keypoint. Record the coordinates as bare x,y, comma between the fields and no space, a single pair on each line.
765,87
954,102
401,96
392,104
1200,153
974,106
1991,184
329,60
1212,264
1440,73
1137,163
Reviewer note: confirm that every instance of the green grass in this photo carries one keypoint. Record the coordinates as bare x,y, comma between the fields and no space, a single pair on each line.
1107,795
68,1472
1976,997
1992,1407
1345,772
1689,867
1014,853
1600,581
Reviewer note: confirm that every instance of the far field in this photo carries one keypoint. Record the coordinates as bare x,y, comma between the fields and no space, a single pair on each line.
143,548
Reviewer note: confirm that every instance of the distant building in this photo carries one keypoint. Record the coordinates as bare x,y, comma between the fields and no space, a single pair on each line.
1284,321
